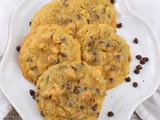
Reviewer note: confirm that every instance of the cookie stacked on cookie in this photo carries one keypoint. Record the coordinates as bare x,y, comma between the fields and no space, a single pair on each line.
73,55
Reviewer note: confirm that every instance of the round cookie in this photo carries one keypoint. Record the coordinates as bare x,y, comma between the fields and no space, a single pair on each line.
70,91
103,48
45,47
101,11
70,14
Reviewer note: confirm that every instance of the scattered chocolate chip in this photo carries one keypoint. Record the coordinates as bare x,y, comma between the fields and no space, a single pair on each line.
146,59
18,48
139,57
66,85
119,25
34,68
63,54
135,84
62,40
81,107
30,23
135,41
142,62
78,16
136,71
94,108
112,1
88,21
128,79
32,93
139,67
110,114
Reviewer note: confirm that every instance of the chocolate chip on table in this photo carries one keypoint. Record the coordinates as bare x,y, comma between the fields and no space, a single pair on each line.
139,57
94,108
135,41
119,25
136,71
128,79
139,67
112,1
146,59
135,84
63,54
18,48
110,114
142,62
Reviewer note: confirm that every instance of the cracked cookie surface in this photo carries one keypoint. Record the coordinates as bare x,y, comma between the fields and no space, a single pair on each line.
70,91
103,48
47,46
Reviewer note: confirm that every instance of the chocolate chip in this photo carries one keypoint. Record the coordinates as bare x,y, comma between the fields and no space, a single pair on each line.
94,108
95,51
136,71
128,79
146,59
118,57
66,85
98,114
30,23
135,84
139,67
81,107
88,21
98,91
142,62
96,17
77,89
32,93
18,48
119,25
111,80
90,42
112,1
139,57
42,113
110,114
34,68
135,41
29,59
103,10
78,16
63,54
62,40
82,63
108,45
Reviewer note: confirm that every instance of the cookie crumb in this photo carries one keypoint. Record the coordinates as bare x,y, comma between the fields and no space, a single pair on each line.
110,114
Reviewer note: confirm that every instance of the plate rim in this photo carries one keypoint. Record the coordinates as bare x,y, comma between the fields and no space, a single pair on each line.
138,102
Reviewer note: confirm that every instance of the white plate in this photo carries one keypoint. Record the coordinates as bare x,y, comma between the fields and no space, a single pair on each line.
122,100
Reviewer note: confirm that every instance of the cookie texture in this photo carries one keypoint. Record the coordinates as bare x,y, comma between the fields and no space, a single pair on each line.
47,46
70,14
103,48
70,91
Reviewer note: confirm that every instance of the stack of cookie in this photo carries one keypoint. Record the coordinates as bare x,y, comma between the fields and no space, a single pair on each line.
73,55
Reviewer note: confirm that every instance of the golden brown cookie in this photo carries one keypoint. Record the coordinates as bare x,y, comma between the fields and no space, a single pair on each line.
70,14
70,91
47,46
103,48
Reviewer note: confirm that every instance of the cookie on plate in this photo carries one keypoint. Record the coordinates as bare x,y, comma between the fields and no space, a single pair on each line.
70,14
70,91
103,48
101,11
47,46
